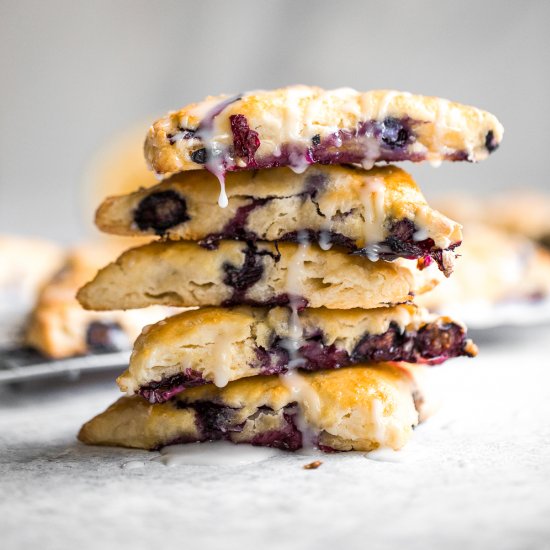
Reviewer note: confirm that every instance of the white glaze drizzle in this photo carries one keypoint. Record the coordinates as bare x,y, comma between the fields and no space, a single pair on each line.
215,143
215,453
440,126
377,419
222,361
324,238
422,220
293,288
420,234
301,391
385,104
372,198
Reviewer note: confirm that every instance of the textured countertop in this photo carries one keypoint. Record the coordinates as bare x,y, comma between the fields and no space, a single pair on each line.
475,476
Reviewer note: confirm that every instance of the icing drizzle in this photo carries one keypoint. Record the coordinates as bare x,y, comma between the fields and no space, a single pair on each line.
216,157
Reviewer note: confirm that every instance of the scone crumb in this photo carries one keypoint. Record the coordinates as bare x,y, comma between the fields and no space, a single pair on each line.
313,465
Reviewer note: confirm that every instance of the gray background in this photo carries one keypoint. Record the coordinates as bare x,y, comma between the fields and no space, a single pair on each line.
75,72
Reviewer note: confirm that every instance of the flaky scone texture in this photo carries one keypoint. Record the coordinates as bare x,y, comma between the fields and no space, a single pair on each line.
224,344
273,204
186,274
300,124
360,408
58,326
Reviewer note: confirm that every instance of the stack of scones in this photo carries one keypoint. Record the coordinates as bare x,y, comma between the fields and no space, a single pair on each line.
301,255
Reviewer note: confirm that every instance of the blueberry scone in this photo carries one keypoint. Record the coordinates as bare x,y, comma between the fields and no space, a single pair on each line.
380,213
182,273
25,264
521,211
299,125
59,327
496,267
221,345
360,408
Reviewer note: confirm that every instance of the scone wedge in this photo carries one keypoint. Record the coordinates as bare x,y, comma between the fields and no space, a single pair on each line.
58,327
360,408
300,125
379,213
222,345
185,274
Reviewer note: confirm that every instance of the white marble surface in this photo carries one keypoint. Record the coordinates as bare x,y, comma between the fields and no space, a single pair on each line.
475,476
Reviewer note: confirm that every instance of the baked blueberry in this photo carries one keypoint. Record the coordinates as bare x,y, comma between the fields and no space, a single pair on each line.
160,211
105,337
199,156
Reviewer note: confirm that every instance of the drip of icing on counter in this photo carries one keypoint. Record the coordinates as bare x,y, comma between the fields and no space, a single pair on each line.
215,453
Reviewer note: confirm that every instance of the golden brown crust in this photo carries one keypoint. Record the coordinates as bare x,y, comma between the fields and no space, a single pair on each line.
192,340
322,199
359,408
294,115
184,274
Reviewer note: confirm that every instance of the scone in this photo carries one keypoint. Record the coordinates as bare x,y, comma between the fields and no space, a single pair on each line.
495,267
181,273
360,408
222,345
25,264
521,211
59,327
380,213
300,125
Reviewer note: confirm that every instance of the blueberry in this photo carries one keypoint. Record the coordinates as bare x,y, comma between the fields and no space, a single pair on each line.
316,140
160,211
199,156
105,337
393,133
490,142
242,278
161,391
245,140
183,133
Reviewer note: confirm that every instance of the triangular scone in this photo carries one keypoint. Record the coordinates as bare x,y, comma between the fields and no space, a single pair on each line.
222,345
377,213
182,273
300,125
359,408
58,326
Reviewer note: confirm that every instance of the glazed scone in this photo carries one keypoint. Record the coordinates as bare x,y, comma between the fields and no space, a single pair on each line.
222,345
59,327
301,125
495,267
182,273
380,213
360,408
